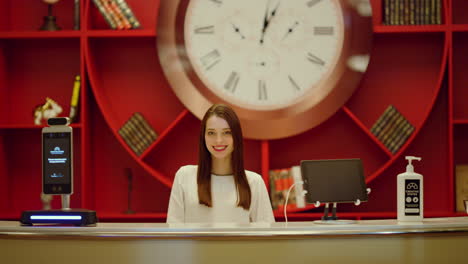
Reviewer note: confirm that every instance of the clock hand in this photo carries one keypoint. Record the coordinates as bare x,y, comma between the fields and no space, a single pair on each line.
267,19
265,23
237,30
290,30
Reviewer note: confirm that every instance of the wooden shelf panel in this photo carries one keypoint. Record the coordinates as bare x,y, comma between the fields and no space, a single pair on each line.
40,34
410,28
121,33
33,70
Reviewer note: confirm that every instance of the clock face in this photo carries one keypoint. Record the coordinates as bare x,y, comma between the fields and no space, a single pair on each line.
263,54
285,66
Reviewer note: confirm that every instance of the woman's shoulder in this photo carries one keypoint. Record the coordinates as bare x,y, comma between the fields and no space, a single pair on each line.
253,177
186,172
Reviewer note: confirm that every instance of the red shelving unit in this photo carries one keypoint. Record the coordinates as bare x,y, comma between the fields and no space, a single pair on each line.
419,69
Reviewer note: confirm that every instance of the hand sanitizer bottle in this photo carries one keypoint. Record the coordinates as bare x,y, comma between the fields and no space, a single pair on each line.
410,206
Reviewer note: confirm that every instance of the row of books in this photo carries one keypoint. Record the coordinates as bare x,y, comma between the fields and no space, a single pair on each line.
392,129
280,182
137,133
117,14
412,12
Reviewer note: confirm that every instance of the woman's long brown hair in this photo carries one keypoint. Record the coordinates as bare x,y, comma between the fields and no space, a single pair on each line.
204,159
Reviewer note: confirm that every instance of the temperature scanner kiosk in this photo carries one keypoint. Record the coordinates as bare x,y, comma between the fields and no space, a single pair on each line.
57,177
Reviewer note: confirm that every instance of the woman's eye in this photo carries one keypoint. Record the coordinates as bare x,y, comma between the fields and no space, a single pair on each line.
227,132
210,133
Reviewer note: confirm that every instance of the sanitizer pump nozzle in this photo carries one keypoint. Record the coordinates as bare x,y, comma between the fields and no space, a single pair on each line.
410,195
409,167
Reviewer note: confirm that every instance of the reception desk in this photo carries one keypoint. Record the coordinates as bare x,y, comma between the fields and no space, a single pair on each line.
435,240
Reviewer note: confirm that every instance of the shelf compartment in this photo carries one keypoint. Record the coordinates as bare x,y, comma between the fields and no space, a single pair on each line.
379,11
460,144
405,70
178,148
34,69
25,15
327,141
126,77
460,78
145,11
21,153
108,183
459,8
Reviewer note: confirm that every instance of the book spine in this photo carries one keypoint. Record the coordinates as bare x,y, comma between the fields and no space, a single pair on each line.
112,14
392,12
127,11
438,12
105,15
402,12
393,127
401,139
76,15
412,12
119,15
379,126
397,133
386,10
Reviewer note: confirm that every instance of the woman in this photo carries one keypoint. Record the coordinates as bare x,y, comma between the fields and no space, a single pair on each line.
219,190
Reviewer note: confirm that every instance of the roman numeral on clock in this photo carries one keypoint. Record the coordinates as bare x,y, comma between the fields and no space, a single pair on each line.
232,82
210,59
323,31
311,3
262,91
294,83
314,59
219,2
204,30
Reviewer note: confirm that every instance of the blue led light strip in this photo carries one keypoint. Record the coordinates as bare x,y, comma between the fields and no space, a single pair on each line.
55,217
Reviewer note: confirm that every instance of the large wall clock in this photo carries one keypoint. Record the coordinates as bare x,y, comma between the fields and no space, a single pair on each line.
285,66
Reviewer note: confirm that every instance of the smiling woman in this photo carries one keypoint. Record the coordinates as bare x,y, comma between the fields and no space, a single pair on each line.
219,189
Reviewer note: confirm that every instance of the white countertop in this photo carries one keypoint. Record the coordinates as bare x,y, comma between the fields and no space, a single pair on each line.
280,229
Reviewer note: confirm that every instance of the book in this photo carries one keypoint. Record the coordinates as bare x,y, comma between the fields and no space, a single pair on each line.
75,98
127,11
117,14
105,14
281,181
137,133
461,186
392,129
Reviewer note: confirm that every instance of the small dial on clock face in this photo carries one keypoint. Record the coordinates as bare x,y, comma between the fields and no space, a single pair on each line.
263,54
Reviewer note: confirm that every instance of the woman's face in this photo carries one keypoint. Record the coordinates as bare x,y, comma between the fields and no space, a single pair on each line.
218,138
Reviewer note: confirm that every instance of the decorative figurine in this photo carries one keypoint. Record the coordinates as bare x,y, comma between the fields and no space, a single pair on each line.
49,20
48,110
46,200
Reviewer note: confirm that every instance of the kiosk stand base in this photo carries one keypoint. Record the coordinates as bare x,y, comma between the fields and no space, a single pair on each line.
78,217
